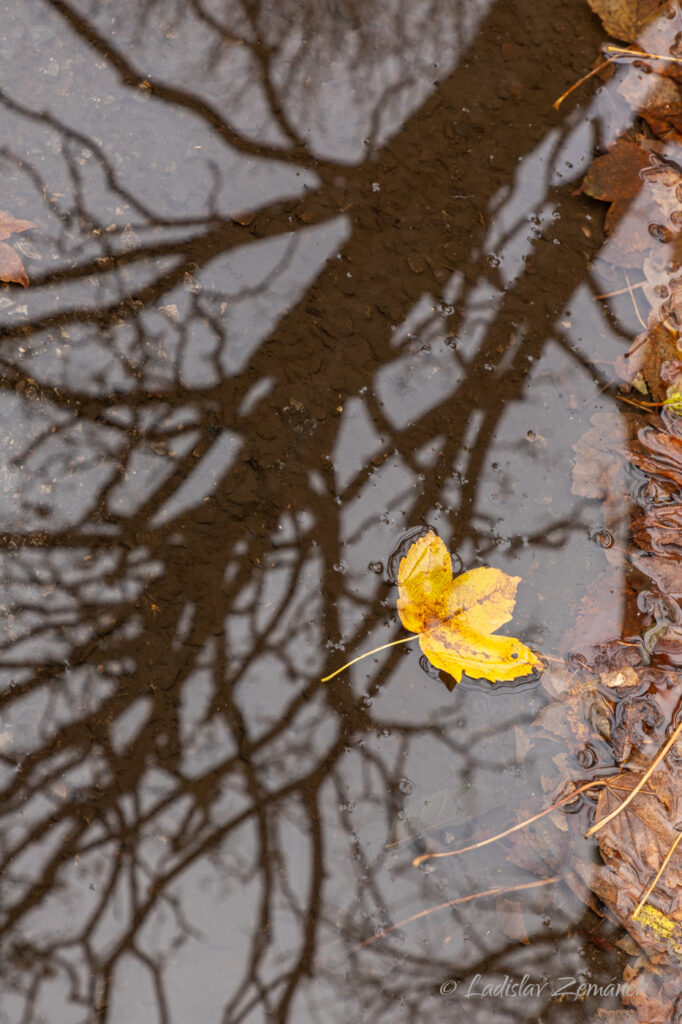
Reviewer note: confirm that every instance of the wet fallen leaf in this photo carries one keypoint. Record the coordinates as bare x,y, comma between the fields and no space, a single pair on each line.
625,19
617,174
649,353
455,618
657,99
643,190
12,269
510,916
599,471
12,226
633,846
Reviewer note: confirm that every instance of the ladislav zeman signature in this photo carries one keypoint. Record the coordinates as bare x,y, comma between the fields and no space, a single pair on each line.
571,988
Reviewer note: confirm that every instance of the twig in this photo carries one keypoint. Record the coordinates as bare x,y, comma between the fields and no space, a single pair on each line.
590,74
623,51
515,828
634,302
620,291
498,890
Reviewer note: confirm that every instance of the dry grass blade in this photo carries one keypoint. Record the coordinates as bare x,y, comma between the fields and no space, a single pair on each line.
619,291
634,302
623,51
660,871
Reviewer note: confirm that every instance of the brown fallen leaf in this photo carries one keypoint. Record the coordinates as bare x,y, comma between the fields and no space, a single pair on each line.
617,174
625,19
510,917
657,99
12,269
648,355
636,841
455,618
600,471
643,189
12,226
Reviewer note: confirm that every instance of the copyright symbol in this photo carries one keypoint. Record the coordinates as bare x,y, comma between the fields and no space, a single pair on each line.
448,987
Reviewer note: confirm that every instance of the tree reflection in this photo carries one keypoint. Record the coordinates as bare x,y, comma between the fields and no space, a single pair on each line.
191,820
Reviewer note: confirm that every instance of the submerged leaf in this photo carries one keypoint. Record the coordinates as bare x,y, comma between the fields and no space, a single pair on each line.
12,226
455,617
12,269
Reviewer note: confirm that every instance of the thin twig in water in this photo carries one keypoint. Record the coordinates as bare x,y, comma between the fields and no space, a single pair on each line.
623,51
634,301
515,828
498,890
594,71
619,291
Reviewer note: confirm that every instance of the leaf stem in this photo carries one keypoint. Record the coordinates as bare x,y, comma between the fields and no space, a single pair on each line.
403,640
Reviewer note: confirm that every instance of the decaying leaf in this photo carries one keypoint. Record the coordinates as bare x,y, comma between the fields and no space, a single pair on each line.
510,916
625,19
643,220
655,98
12,269
633,846
647,358
617,174
456,617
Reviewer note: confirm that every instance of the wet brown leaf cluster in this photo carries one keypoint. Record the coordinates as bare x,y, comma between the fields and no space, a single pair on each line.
640,178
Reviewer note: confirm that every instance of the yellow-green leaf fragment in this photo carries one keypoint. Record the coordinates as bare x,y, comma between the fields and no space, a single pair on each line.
456,617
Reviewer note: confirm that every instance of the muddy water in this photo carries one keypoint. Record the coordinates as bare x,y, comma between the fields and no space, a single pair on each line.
305,279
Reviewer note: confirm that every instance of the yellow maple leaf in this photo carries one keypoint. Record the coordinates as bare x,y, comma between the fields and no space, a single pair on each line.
456,617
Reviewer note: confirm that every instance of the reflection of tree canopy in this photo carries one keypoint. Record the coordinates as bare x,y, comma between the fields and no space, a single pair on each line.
188,399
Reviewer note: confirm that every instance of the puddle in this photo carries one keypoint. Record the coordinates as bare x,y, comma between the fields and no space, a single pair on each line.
306,279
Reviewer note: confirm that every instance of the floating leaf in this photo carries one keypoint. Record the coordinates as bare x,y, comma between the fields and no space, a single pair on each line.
456,617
